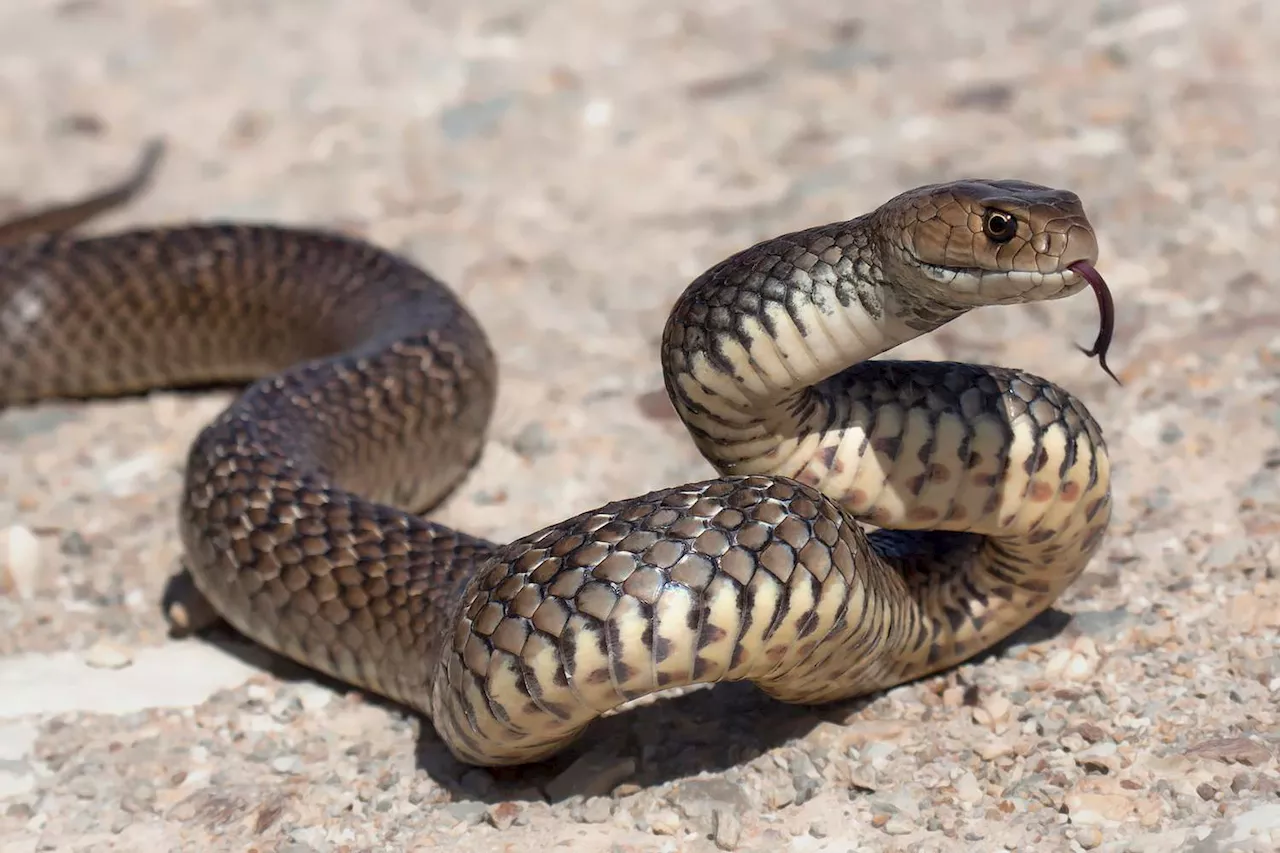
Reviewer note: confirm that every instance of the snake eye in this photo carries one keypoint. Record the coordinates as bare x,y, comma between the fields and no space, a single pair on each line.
1000,227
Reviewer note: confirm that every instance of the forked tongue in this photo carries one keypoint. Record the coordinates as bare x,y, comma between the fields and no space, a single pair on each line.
1106,308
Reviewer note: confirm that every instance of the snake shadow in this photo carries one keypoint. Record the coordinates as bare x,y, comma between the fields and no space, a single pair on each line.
710,729
664,738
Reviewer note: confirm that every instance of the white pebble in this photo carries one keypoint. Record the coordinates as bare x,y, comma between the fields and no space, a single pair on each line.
130,476
313,697
993,749
878,754
1075,664
597,113
994,713
728,829
664,822
1088,837
105,654
898,825
286,764
968,789
19,560
1080,667
1057,663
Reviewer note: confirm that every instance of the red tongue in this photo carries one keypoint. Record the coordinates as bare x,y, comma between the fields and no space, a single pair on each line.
1108,310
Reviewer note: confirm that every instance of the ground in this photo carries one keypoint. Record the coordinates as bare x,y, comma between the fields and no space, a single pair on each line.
568,168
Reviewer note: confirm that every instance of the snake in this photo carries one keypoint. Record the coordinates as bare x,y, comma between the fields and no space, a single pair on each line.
872,521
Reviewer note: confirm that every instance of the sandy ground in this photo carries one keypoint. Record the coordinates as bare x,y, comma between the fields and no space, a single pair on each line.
569,167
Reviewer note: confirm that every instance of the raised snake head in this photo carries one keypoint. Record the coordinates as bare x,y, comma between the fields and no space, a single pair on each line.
978,242
984,242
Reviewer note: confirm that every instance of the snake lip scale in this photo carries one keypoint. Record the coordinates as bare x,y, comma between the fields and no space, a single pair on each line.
368,394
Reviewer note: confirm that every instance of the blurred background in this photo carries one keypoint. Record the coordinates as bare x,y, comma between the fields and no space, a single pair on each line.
570,166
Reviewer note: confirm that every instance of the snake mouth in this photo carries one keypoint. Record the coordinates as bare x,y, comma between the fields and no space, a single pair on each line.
978,284
968,281
1106,311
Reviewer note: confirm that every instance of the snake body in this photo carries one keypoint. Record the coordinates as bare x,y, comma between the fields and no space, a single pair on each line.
371,388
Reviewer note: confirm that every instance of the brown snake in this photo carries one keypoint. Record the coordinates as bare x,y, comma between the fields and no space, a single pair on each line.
372,388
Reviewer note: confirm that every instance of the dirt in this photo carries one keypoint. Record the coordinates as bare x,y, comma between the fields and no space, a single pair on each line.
569,168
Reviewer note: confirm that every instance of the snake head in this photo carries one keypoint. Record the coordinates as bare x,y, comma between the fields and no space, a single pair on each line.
984,242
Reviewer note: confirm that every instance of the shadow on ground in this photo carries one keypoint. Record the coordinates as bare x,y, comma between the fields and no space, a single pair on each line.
711,729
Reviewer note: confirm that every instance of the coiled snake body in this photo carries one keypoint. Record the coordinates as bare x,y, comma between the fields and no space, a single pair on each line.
372,387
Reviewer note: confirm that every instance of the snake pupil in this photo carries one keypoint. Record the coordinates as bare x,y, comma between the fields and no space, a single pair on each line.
999,226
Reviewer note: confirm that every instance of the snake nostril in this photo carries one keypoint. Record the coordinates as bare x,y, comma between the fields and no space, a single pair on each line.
1081,246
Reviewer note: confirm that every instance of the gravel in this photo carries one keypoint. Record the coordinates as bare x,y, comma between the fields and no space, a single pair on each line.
569,168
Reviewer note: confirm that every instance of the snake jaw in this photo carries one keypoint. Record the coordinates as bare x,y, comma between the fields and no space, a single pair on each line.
975,287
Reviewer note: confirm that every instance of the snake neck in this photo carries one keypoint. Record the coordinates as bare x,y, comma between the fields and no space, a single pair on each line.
752,345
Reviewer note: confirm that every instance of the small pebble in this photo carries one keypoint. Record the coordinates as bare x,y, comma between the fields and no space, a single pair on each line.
968,789
1225,553
992,749
1088,837
20,811
503,815
83,787
286,764
878,753
313,697
780,793
1234,750
1099,758
596,810
1088,808
805,778
862,777
899,825
310,838
466,812
696,798
727,829
19,561
1091,732
993,713
664,822
139,799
